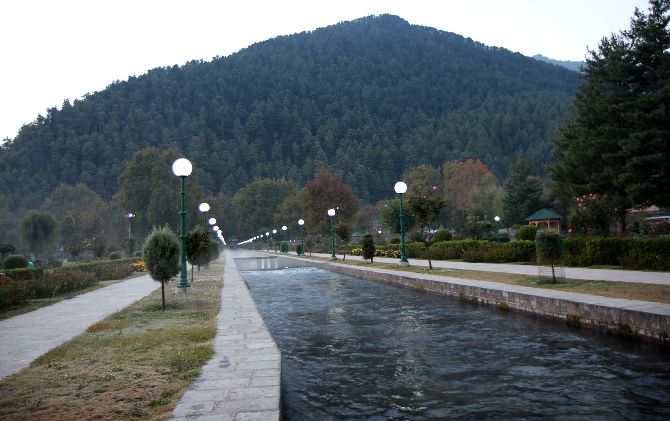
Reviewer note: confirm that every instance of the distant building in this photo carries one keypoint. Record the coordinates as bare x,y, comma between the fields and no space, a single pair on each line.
546,219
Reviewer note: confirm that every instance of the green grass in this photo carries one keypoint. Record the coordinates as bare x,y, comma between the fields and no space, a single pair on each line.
136,364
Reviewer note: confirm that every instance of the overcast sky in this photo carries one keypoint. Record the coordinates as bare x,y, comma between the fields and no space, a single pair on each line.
57,49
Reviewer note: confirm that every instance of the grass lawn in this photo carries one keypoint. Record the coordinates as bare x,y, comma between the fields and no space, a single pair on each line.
629,290
136,364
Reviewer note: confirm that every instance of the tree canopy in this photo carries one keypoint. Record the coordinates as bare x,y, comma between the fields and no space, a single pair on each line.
618,145
368,99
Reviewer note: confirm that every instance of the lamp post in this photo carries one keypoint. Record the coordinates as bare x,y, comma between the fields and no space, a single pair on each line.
331,213
274,240
284,228
204,208
182,168
301,222
400,188
130,223
497,219
267,239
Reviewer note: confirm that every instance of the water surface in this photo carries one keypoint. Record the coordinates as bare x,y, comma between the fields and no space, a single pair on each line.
355,349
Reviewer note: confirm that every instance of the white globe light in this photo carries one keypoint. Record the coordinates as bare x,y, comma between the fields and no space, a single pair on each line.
216,228
212,221
301,222
497,218
331,212
204,207
400,187
131,215
274,231
182,167
283,228
267,234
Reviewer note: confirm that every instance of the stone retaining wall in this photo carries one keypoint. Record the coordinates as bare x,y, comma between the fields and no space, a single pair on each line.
646,320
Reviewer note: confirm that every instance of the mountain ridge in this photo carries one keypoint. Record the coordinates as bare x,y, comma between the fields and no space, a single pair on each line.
368,98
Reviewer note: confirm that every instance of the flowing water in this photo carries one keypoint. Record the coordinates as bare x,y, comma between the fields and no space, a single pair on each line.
355,349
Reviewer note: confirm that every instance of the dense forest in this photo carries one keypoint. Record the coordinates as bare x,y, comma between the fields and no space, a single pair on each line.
368,99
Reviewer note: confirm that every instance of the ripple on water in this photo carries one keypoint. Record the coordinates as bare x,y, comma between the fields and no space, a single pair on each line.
354,349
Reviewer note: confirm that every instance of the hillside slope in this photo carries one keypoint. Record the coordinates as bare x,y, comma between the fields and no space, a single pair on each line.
368,98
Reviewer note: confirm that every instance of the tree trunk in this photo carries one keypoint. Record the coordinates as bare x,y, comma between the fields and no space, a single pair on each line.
620,221
163,293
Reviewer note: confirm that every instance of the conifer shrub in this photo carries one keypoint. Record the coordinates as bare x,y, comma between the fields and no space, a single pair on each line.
161,256
368,246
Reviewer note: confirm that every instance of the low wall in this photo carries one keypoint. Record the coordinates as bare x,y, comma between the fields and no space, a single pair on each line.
640,319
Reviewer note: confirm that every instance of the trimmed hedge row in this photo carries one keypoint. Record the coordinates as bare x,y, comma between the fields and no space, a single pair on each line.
639,253
19,285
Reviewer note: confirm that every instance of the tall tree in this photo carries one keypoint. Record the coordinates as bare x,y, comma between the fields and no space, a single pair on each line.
39,231
256,204
327,191
426,208
486,201
618,145
523,193
149,189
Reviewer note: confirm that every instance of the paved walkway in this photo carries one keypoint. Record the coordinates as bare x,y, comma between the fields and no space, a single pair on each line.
661,278
28,336
242,380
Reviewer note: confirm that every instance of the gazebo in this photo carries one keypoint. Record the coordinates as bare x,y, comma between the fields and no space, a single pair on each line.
546,219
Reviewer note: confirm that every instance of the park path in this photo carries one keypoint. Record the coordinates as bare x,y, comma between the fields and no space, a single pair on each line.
28,336
615,275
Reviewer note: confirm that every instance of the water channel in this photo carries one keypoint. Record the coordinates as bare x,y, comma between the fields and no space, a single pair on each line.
355,349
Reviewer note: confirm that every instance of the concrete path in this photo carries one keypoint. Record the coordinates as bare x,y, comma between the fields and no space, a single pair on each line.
28,336
243,379
660,278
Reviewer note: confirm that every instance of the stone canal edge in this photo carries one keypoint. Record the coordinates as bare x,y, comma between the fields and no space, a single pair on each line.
242,381
649,321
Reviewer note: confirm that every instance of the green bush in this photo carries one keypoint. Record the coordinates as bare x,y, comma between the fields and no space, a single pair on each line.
283,247
23,274
527,232
14,293
415,250
298,249
115,255
442,235
15,261
638,253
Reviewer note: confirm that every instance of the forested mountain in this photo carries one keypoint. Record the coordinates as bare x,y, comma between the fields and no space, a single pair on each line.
575,66
368,98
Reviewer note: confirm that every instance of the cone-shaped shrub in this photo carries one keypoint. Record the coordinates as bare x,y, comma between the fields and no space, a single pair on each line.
161,256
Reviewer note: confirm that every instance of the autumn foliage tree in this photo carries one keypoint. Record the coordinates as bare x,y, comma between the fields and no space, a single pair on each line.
327,191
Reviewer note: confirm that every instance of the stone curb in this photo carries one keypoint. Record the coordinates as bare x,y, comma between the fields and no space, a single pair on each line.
242,381
646,320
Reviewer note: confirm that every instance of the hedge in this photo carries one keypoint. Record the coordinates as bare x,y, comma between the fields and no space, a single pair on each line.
19,285
639,253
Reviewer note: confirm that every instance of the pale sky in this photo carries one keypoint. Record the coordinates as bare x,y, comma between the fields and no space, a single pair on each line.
57,49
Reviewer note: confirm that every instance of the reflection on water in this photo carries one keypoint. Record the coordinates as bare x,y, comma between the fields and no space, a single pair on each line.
355,349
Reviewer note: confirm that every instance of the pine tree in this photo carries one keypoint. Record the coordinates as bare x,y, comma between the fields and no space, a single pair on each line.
523,193
619,143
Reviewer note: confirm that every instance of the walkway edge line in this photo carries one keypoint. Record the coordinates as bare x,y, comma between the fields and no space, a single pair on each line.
243,378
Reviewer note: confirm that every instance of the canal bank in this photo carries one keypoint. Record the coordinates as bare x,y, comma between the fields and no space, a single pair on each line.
649,321
243,379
